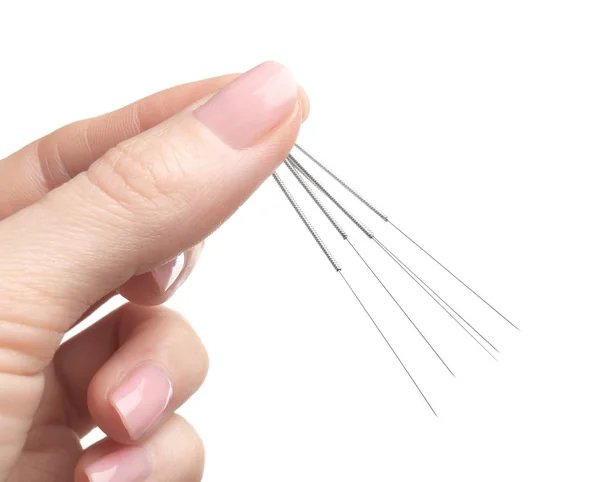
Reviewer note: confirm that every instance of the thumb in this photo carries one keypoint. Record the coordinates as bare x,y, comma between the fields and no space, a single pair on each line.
141,204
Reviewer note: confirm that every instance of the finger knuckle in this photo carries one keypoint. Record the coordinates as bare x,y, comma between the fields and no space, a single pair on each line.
195,453
192,345
139,171
26,349
198,452
200,354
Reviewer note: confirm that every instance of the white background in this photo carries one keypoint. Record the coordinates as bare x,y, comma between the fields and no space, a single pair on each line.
475,125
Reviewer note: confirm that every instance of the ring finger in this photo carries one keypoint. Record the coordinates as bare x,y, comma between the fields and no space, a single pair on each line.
130,370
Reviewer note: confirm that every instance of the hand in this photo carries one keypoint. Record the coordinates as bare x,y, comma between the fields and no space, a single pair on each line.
109,205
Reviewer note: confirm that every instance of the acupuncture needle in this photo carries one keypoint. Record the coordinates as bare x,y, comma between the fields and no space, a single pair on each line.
301,169
344,235
338,269
433,294
402,265
386,219
295,168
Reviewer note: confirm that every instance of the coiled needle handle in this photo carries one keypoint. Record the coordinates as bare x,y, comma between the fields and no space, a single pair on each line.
340,181
306,222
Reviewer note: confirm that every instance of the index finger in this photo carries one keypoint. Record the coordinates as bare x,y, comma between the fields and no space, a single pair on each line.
28,174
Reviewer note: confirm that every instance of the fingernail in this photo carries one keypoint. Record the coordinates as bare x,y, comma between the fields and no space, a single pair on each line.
125,465
244,111
141,398
168,273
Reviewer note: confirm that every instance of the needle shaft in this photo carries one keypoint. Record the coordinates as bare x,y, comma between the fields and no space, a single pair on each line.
401,309
452,274
388,344
437,298
338,268
302,170
291,165
386,219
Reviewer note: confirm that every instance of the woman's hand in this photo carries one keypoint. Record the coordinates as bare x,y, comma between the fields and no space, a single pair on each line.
121,203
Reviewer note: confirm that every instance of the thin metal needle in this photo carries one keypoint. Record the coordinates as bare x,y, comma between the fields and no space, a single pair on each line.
297,169
292,167
388,344
427,289
386,219
338,268
401,309
452,274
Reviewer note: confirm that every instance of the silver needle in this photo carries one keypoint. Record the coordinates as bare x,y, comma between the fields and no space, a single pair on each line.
437,298
386,219
389,345
291,165
338,268
297,168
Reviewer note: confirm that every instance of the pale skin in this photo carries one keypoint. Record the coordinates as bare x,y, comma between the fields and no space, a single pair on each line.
101,207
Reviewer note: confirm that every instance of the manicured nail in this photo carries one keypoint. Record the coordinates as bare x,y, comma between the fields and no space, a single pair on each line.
126,465
248,108
141,398
168,273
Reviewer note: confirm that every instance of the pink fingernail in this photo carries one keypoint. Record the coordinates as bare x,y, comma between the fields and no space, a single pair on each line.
168,273
126,465
251,106
141,399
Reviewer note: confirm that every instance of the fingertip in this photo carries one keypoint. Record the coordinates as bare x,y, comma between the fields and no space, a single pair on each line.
246,111
157,365
161,283
304,102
